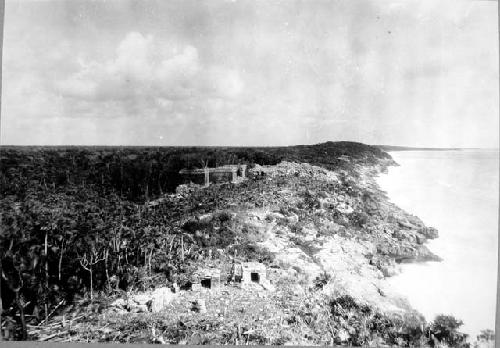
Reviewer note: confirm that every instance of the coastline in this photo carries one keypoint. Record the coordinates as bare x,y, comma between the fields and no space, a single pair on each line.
327,236
468,258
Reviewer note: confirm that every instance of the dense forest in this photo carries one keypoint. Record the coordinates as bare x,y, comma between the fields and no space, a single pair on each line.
141,173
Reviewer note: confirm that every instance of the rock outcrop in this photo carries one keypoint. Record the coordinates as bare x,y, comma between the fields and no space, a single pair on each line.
150,301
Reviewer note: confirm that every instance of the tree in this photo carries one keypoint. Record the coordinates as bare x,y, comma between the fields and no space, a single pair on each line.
445,329
89,260
12,243
486,335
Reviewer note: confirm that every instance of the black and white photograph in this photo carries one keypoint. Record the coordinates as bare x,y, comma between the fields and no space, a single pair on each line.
250,172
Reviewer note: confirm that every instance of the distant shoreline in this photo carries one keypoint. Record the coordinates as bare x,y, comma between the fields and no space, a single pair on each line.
389,148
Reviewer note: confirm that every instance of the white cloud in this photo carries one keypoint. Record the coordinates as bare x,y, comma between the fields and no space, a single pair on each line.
251,73
143,69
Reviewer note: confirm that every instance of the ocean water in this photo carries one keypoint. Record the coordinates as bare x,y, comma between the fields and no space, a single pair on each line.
457,193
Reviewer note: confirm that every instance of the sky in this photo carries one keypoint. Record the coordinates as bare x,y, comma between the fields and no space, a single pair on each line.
247,73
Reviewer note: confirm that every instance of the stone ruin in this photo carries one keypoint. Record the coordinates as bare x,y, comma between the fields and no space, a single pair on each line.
244,273
251,273
229,173
149,301
207,278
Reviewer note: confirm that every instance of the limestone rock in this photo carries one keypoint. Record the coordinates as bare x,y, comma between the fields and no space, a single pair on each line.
345,209
119,303
429,232
199,306
420,239
343,335
292,218
161,297
389,270
141,299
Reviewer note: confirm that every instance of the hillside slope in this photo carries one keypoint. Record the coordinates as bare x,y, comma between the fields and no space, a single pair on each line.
322,235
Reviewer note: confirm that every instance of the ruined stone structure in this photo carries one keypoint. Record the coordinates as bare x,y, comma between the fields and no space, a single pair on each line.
229,173
249,272
208,278
253,272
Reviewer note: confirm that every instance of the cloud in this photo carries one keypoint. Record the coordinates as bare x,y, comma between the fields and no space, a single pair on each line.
251,73
143,69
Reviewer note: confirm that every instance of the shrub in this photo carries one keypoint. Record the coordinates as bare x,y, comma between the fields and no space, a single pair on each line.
192,226
253,252
445,329
322,280
359,218
365,324
486,335
223,217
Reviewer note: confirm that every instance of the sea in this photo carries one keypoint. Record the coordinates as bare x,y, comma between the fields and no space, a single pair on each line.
456,192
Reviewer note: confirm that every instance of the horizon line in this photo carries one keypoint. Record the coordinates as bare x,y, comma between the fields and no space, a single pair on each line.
250,146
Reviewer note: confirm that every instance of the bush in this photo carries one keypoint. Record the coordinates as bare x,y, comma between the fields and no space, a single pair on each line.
359,219
251,252
192,226
223,217
364,324
445,329
321,280
486,335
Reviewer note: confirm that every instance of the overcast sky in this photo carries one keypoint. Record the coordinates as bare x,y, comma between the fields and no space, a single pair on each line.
251,72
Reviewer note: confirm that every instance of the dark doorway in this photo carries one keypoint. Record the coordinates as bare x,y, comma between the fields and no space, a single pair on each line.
206,283
186,286
255,277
